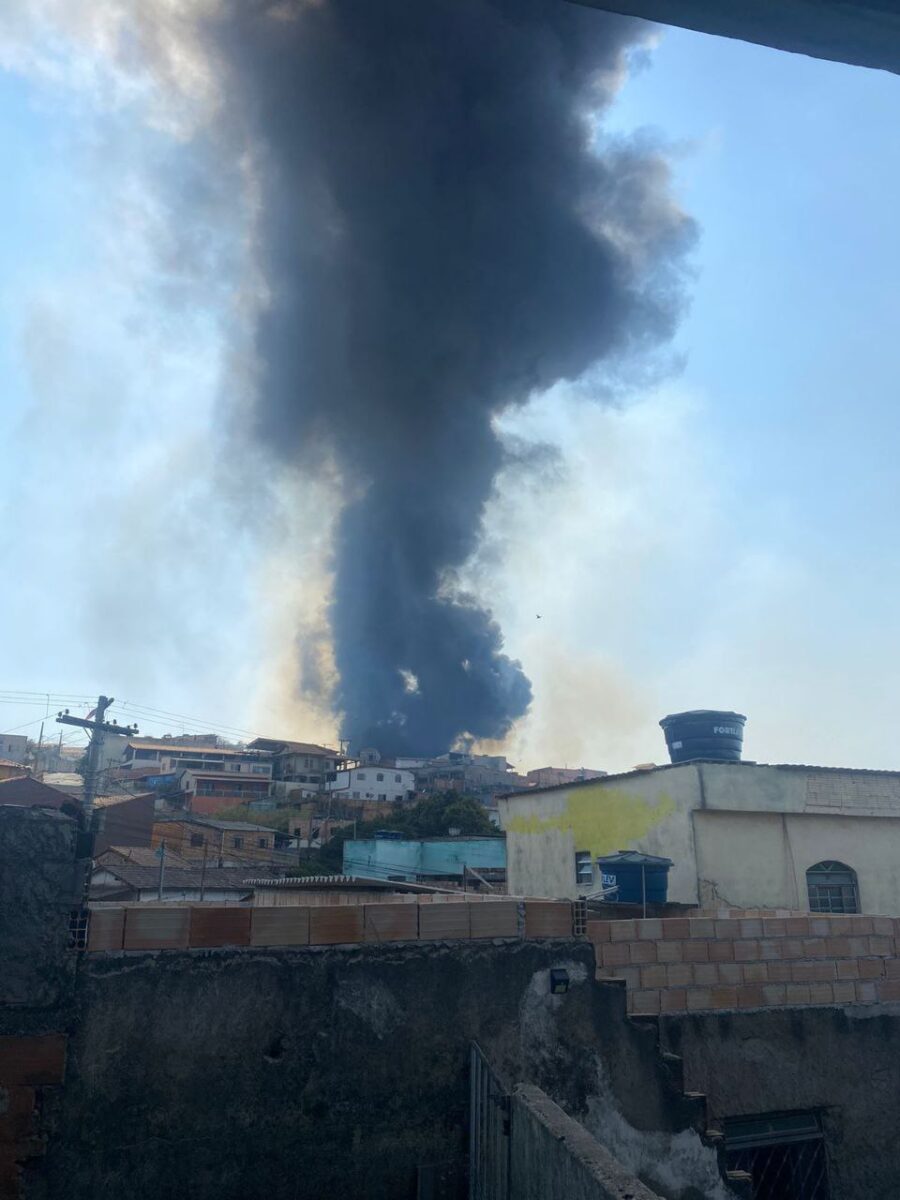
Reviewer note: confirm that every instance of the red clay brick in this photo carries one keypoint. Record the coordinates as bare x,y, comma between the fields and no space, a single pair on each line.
870,968
750,996
622,931
790,948
673,1000
821,993
668,951
214,926
769,949
756,972
814,948
702,927
654,976
774,927
892,968
493,919
746,951
282,926
644,1001
779,972
796,926
36,1061
699,998
336,924
838,947
721,951
106,929
400,922
889,990
797,993
679,974
597,931
649,928
881,945
731,973
844,991
676,927
630,976
553,919
695,951
706,974
642,952
812,972
613,954
866,993
847,968
157,927
724,997
773,993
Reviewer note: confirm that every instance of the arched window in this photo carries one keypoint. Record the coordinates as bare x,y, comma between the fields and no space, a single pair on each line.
832,888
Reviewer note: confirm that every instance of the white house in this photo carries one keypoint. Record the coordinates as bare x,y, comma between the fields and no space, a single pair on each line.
373,781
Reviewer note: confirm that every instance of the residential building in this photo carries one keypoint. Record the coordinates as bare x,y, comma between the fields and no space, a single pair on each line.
130,882
551,776
374,781
14,746
302,767
140,856
9,769
26,792
396,858
208,792
196,837
739,834
171,754
124,820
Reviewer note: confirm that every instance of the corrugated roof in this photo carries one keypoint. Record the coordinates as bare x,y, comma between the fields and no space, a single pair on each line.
188,748
140,856
212,823
346,883
183,878
282,746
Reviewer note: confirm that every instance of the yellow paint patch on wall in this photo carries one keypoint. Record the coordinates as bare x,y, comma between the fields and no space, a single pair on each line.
600,819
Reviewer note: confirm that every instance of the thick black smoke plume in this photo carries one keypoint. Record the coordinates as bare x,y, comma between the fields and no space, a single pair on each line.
439,240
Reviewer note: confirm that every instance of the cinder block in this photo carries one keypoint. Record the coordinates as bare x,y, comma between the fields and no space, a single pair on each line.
654,976
730,973
106,930
398,922
814,948
333,924
841,925
157,927
773,994
889,990
770,949
883,926
649,928
866,993
672,1000
750,996
881,945
642,952
668,951
728,929
699,998
36,1061
676,928
870,968
756,972
213,926
838,947
450,922
724,997
702,927
819,927
778,972
553,919
720,951
288,926
859,947
692,951
821,993
790,948
746,951
495,919
644,1001
613,954
862,926
679,974
892,968
598,931
774,927
796,926
844,991
847,968
797,993
706,974
751,927
623,931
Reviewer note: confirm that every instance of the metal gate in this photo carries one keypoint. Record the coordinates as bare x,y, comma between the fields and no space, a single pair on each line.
489,1110
784,1155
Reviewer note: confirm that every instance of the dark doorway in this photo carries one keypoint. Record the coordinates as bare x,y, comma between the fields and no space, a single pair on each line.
784,1155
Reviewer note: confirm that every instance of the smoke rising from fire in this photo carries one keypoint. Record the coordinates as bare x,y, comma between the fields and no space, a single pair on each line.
439,240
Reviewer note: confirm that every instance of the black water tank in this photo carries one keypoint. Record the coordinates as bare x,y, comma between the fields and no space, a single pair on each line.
704,733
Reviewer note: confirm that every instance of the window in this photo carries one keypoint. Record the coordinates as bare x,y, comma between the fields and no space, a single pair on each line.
356,795
832,888
584,868
397,779
238,843
263,842
360,774
196,839
382,796
380,778
784,1154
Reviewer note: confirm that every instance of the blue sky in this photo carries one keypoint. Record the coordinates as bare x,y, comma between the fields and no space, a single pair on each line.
725,539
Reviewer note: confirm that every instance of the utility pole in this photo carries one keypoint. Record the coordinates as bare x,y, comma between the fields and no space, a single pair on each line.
162,869
95,722
203,869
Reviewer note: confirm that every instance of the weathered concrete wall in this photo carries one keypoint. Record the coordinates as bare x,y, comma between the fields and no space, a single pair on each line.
39,884
552,1155
328,1072
844,1062
864,32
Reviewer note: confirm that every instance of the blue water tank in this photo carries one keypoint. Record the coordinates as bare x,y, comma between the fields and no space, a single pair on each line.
704,733
638,877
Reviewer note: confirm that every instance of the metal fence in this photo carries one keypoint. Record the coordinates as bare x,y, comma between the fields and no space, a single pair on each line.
489,1109
784,1156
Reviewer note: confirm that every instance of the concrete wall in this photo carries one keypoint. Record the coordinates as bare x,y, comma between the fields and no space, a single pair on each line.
330,1072
552,1155
843,1063
739,834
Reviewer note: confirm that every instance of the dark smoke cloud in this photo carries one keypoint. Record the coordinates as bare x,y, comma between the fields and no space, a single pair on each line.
439,241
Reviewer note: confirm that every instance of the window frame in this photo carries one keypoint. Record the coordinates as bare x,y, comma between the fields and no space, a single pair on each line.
832,887
584,858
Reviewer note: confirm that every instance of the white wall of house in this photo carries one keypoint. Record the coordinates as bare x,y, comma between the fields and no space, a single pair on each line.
741,833
374,781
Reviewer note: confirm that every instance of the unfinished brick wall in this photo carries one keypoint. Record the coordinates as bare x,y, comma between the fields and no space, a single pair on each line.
697,963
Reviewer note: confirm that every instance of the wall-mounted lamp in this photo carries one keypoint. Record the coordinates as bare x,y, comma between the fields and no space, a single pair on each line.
559,981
